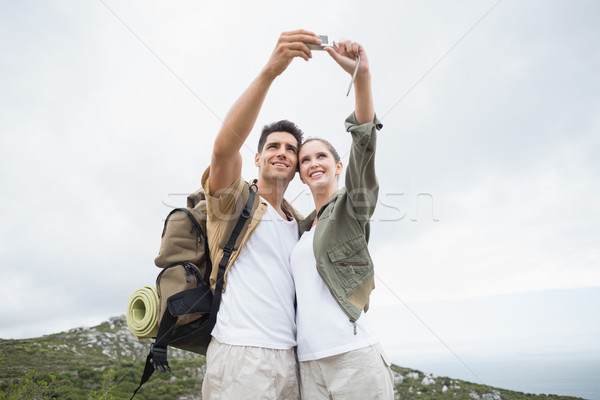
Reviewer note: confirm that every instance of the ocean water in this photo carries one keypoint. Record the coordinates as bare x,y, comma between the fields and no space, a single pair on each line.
575,375
544,342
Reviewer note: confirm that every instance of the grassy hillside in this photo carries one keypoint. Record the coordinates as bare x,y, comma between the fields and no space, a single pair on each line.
106,362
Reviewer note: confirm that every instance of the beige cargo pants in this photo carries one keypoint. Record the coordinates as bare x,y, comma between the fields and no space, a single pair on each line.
252,373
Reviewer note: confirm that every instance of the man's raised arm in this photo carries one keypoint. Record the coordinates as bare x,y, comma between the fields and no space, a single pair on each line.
226,162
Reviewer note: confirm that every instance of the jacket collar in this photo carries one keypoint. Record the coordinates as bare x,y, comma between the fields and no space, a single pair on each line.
306,223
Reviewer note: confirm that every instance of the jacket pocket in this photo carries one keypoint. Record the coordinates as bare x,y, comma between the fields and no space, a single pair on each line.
352,264
347,249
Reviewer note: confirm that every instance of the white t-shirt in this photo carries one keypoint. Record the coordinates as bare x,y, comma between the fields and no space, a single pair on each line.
324,329
257,307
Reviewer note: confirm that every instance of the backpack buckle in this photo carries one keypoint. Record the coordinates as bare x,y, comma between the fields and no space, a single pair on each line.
159,358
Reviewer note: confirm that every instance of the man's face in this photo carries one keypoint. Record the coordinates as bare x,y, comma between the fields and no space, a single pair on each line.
279,157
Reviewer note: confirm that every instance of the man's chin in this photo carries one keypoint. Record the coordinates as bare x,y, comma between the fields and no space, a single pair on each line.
284,178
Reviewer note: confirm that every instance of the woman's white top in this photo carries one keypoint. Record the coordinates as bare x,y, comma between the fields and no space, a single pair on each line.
323,329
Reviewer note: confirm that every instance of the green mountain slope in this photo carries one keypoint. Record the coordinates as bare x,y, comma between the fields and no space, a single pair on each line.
106,362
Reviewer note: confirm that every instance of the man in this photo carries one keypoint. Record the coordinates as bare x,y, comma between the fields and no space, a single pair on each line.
252,352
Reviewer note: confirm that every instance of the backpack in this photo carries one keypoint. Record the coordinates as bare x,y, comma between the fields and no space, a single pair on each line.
187,310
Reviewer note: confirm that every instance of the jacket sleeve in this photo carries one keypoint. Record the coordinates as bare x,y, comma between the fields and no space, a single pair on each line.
361,181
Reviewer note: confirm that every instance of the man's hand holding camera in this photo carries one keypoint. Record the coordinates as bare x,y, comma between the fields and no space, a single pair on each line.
289,46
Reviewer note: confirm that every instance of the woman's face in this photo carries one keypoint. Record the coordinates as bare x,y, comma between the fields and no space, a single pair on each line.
318,168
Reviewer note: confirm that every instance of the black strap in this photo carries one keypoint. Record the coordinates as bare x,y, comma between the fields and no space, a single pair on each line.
157,358
195,300
228,249
208,270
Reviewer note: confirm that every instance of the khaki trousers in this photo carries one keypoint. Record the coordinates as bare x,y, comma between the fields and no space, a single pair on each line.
252,373
362,374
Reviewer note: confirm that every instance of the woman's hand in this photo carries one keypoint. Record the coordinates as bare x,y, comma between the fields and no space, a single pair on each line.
345,54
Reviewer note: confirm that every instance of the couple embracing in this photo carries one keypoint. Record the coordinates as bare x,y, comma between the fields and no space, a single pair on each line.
291,323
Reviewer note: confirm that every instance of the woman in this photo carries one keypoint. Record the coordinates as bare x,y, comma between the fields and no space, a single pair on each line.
333,271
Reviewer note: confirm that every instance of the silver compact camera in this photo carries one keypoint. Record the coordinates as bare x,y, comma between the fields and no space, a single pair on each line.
325,43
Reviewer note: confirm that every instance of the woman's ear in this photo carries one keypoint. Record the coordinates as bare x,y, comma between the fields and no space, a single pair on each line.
338,168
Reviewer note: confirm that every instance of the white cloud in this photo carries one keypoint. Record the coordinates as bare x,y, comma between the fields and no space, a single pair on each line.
510,234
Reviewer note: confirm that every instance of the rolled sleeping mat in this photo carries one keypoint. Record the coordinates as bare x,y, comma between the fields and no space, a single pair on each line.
142,313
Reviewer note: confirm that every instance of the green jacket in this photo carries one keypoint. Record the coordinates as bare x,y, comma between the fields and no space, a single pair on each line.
342,230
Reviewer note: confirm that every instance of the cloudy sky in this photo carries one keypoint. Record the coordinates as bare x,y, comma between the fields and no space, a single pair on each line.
488,160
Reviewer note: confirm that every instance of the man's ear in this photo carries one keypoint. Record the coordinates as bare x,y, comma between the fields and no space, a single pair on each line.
257,159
